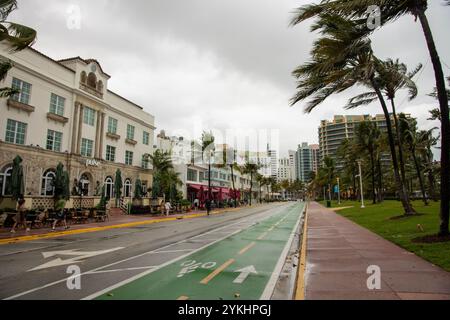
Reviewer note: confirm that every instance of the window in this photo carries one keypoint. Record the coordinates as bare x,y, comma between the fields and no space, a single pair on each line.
54,139
130,132
57,104
92,80
109,188
127,188
110,153
145,162
146,138
89,116
86,147
129,158
83,77
47,186
192,175
15,132
6,181
25,91
201,176
112,125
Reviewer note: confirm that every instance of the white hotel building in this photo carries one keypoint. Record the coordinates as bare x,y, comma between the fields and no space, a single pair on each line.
65,114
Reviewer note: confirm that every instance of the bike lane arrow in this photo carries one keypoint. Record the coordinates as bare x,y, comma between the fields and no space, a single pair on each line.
244,273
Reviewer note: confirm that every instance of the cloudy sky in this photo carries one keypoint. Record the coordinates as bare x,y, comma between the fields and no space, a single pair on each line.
223,63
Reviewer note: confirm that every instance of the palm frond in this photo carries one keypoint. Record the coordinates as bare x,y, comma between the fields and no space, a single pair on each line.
17,36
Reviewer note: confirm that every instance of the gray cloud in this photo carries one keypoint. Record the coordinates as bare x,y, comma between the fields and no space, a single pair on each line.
226,62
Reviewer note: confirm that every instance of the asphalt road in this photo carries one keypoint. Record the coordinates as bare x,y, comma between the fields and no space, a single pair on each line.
234,255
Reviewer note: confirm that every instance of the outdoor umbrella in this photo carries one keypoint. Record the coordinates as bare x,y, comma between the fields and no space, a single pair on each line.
118,186
18,186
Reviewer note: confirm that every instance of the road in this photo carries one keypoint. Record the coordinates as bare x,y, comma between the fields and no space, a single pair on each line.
234,255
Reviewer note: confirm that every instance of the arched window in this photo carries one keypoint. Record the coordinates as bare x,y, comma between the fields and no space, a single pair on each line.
100,86
109,188
5,181
47,185
127,188
84,184
92,80
83,77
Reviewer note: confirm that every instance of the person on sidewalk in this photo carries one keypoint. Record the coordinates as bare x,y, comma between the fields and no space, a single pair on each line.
20,217
60,214
168,207
196,204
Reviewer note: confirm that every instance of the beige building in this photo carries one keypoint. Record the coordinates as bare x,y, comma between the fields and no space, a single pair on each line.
65,114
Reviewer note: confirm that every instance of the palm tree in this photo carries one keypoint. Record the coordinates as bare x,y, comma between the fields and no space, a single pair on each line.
16,36
427,141
366,140
251,169
341,59
208,149
262,181
392,77
408,128
390,11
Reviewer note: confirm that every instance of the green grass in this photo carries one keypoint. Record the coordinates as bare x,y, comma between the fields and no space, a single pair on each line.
401,231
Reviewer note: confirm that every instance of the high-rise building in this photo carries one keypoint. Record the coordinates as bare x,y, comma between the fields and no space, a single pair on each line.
285,170
293,163
333,133
306,155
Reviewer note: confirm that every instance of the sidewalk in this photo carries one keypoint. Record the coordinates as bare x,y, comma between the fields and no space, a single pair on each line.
117,220
339,253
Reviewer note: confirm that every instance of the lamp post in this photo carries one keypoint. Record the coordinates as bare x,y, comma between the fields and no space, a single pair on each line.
361,184
339,190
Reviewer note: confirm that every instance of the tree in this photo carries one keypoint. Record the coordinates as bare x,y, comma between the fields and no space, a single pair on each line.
262,181
208,150
341,59
427,141
408,130
391,11
16,36
251,169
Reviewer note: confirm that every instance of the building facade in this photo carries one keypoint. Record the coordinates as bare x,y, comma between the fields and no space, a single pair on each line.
333,133
65,114
306,161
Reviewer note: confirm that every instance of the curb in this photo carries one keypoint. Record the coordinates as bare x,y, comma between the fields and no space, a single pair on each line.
301,288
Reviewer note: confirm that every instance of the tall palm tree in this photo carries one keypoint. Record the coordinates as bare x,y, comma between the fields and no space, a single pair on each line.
392,76
427,141
16,36
251,169
366,140
408,128
262,181
342,58
208,150
390,11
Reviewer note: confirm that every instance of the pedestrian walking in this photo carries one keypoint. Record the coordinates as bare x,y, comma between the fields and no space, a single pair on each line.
60,214
20,217
196,204
168,207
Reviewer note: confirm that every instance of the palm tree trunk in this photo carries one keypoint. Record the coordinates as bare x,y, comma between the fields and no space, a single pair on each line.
232,182
419,175
400,142
251,187
372,167
432,185
380,181
445,125
408,209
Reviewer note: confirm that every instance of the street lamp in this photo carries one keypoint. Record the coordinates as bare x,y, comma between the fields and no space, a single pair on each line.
361,184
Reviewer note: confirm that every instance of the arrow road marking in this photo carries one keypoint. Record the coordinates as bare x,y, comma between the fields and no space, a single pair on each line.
244,273
78,257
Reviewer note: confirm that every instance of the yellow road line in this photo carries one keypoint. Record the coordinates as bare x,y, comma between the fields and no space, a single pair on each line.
103,228
183,298
300,290
251,245
217,271
262,236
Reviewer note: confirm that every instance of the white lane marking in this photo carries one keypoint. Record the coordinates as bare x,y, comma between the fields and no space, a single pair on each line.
111,264
268,291
201,240
244,273
78,256
175,251
121,270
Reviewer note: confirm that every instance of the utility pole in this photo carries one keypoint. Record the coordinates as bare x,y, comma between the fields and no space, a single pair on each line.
361,184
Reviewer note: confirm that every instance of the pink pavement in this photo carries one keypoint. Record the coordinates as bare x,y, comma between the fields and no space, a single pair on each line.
340,251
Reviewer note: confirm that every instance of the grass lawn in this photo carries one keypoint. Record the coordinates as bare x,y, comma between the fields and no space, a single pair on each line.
401,231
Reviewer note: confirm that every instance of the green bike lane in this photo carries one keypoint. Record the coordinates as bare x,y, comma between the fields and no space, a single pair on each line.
240,266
